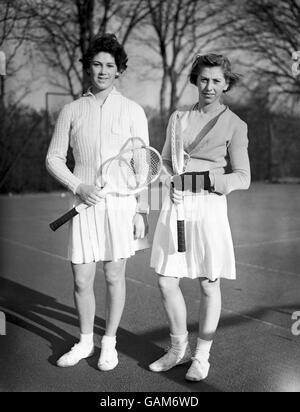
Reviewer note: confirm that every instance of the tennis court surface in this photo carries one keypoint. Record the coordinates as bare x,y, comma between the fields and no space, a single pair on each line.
256,348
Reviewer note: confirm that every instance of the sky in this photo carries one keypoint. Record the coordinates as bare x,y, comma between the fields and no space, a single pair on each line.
139,82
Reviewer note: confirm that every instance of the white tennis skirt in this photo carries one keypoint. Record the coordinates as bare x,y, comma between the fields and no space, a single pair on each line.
104,232
209,247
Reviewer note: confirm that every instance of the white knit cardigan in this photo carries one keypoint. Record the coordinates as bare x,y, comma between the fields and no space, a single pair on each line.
95,133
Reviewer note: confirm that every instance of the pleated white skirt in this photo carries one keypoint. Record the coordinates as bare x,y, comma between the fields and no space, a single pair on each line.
104,232
209,247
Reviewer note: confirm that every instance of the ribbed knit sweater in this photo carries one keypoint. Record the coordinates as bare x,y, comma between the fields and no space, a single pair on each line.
95,133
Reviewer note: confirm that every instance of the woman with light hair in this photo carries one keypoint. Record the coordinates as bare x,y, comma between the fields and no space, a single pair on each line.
209,131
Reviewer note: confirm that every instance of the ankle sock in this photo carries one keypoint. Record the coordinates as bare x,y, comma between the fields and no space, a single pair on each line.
179,342
203,349
87,338
109,341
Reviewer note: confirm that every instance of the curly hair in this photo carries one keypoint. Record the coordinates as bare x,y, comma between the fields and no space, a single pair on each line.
107,43
214,60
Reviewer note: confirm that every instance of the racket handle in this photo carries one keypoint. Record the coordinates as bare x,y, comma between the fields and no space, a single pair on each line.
180,228
181,236
63,219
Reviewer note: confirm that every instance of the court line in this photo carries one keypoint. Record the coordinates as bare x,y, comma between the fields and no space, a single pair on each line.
21,218
23,197
267,242
265,269
34,249
223,309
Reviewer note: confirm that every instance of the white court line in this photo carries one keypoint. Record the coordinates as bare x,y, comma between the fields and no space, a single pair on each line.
267,242
34,195
223,309
34,249
18,219
265,269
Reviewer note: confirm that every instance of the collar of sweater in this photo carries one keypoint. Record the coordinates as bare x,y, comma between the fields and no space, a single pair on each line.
89,93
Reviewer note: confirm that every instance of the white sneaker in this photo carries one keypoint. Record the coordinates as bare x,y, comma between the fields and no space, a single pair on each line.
172,358
198,370
108,359
78,352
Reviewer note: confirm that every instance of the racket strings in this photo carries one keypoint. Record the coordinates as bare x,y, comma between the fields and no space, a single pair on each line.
134,169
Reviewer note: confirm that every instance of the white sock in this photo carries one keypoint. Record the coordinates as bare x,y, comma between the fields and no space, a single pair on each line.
179,342
109,341
203,349
87,338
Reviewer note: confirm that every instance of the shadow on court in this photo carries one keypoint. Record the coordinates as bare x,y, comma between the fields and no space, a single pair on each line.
26,308
254,350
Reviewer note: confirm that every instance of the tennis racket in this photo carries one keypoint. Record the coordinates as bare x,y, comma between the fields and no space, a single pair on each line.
178,164
129,173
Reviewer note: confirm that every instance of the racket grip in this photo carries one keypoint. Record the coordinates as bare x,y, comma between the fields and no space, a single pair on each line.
181,236
63,219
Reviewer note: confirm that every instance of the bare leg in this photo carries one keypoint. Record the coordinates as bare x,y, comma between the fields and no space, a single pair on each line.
84,275
174,304
210,308
115,294
84,297
175,308
115,301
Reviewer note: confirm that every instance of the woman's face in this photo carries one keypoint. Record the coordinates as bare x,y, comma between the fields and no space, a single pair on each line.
211,84
103,71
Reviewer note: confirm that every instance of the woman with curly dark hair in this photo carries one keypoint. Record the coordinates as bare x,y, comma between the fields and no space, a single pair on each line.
209,130
97,126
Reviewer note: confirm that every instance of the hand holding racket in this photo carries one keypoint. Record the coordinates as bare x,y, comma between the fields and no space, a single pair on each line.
128,173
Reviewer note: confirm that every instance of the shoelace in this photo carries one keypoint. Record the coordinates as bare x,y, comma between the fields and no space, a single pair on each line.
169,349
74,347
201,361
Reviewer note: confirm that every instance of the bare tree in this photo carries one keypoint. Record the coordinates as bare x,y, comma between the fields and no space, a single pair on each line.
63,32
14,24
269,32
178,29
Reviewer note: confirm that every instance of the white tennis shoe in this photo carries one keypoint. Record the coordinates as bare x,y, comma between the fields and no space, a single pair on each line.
79,351
172,358
198,370
108,359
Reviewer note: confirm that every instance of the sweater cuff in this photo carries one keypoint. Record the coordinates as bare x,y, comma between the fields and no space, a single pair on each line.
216,184
142,209
73,186
212,182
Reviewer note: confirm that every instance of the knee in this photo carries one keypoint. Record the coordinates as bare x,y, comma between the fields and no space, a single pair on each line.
210,288
114,277
83,284
167,285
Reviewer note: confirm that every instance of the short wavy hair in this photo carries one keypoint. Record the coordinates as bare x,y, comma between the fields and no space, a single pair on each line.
107,43
214,60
